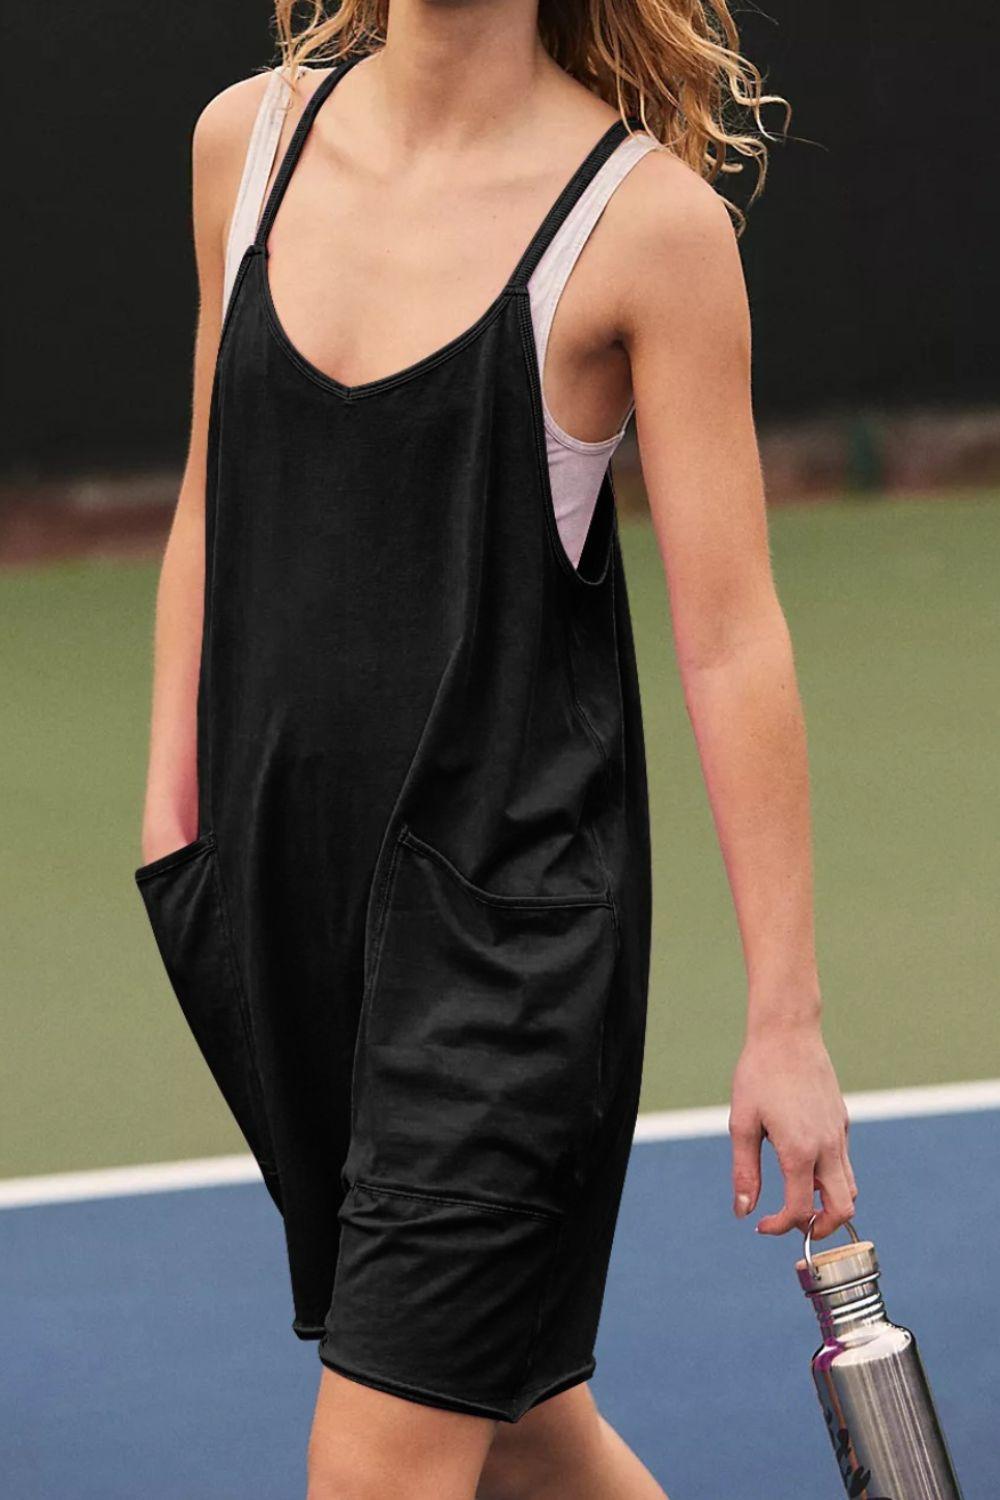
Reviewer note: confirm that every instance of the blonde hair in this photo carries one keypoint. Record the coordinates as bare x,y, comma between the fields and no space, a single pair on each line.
675,64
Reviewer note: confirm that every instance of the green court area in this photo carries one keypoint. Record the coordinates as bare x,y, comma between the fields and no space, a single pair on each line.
895,613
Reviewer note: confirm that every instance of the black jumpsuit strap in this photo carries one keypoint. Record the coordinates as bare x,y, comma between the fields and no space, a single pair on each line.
295,145
575,187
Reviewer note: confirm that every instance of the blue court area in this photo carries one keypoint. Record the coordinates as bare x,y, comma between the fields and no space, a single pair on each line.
147,1353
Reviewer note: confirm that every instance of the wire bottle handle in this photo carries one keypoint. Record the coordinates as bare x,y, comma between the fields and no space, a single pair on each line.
848,1225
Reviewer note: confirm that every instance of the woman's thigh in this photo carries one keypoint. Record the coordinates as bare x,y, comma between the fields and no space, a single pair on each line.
367,1445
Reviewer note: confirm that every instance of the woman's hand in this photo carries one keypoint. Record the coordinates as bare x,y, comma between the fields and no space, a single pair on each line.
785,1088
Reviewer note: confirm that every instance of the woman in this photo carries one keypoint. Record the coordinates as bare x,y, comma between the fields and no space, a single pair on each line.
396,834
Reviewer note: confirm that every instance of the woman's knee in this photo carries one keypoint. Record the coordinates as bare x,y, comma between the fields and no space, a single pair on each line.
336,1472
544,1452
506,1479
328,1481
350,1474
524,1472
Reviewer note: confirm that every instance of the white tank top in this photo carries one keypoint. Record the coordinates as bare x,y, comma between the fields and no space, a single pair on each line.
576,467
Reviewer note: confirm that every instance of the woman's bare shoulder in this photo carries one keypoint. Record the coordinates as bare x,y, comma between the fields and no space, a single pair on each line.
672,241
221,138
223,128
667,205
666,215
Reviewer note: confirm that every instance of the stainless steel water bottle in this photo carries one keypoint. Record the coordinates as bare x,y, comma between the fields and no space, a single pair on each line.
871,1383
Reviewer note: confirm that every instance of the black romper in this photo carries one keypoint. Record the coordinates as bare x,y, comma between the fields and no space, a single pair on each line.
412,936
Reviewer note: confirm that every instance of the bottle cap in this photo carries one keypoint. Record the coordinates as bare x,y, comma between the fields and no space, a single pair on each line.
840,1266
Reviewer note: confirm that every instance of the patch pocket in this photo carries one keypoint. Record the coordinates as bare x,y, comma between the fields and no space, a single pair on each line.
182,893
438,1299
480,1051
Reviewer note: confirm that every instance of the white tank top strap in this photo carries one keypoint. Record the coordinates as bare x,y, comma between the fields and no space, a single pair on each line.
553,270
261,151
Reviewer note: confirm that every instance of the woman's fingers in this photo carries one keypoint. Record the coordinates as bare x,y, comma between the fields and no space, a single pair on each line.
835,1192
849,1174
846,1153
804,1172
746,1138
831,1174
798,1171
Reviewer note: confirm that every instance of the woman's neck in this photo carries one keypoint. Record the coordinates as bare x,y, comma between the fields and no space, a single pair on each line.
456,73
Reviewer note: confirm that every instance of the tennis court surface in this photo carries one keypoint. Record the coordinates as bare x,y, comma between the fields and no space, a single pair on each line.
149,1352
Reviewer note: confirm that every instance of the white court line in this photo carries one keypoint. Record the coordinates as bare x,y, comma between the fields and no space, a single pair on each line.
125,1182
880,1104
663,1125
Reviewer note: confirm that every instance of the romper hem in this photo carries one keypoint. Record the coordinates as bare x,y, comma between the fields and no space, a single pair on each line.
509,1412
306,1331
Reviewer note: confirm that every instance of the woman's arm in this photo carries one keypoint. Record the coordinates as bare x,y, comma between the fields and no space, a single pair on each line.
171,808
686,326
